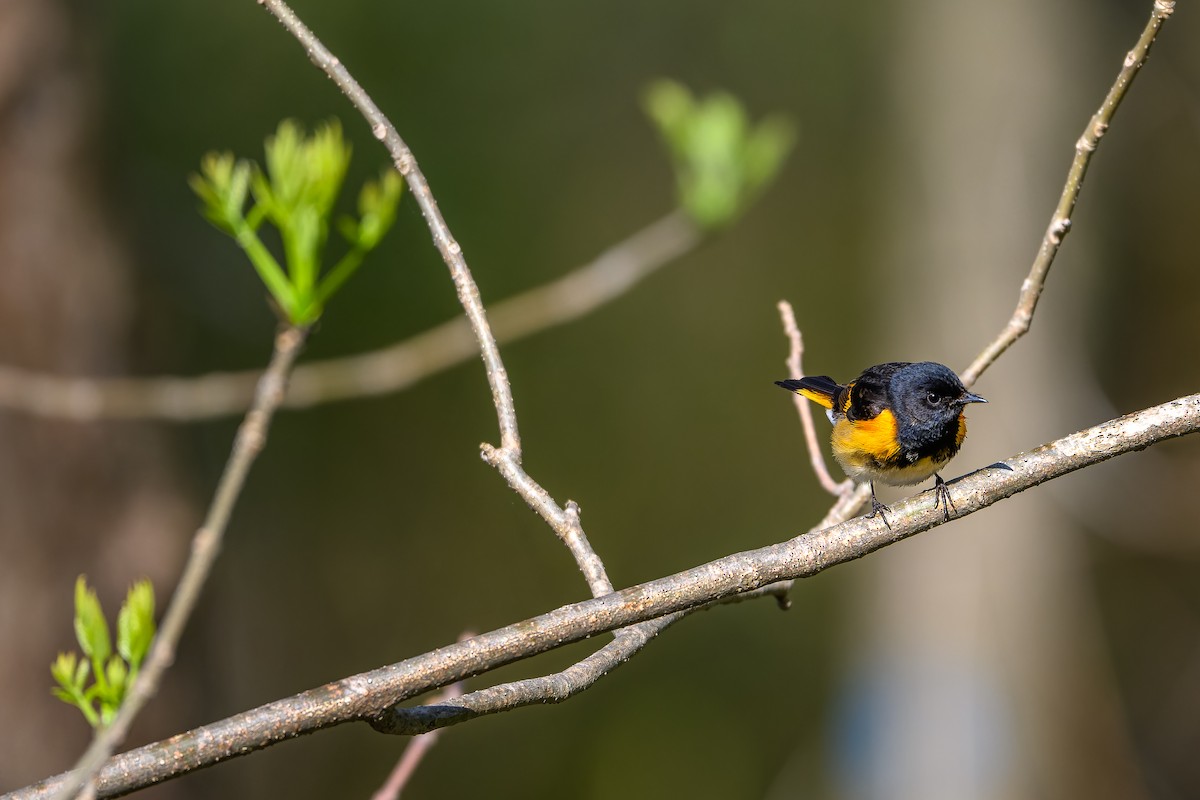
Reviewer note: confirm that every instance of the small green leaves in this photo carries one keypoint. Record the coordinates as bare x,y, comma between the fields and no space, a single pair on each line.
135,624
222,185
377,210
71,675
303,175
296,195
90,628
114,673
721,161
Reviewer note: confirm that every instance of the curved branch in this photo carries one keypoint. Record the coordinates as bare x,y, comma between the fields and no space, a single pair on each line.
795,367
1060,222
449,248
206,545
367,695
554,688
389,369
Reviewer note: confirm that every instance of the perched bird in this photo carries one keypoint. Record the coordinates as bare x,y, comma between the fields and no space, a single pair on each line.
897,423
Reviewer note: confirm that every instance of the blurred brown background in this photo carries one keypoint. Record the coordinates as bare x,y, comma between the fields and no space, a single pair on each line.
1049,646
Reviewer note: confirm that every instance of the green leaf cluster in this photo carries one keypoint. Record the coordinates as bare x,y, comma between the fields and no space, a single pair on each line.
296,195
112,673
721,160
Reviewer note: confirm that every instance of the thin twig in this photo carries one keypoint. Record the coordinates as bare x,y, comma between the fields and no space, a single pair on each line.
796,372
389,369
365,696
554,688
206,545
451,251
507,458
416,751
1060,222
564,522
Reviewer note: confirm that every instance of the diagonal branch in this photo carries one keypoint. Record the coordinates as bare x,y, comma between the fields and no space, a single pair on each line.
796,372
448,247
366,696
206,545
389,369
555,688
1060,222
507,458
415,753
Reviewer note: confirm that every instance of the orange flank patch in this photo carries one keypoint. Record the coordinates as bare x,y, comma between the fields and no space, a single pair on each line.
820,398
868,451
867,445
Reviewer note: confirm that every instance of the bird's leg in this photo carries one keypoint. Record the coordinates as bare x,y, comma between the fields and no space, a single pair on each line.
941,496
878,508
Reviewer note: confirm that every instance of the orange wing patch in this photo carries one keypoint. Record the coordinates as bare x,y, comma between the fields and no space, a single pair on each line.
847,398
820,398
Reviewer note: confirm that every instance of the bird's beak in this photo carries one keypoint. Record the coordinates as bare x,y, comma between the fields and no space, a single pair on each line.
972,398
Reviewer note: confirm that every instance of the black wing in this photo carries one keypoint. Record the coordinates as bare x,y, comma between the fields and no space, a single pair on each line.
867,394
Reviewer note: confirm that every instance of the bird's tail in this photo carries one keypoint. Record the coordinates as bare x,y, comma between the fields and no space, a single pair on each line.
821,389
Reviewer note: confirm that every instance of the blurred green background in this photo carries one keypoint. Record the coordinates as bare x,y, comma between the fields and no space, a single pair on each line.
1055,637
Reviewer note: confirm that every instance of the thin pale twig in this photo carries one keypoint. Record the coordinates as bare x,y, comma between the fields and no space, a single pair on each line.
796,372
554,688
1060,222
417,749
448,247
206,545
507,458
388,369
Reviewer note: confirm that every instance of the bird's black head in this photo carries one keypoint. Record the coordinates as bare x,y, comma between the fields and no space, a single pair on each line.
928,399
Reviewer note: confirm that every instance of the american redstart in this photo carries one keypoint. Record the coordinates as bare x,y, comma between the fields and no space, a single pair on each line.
896,423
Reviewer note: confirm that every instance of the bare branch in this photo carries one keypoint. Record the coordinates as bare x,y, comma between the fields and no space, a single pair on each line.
796,372
555,688
389,369
564,523
448,247
206,545
1060,222
506,458
366,696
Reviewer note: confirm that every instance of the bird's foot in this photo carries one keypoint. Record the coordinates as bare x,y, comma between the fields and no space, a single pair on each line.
941,497
878,508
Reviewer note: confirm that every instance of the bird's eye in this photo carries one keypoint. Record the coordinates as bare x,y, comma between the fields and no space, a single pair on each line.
933,398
